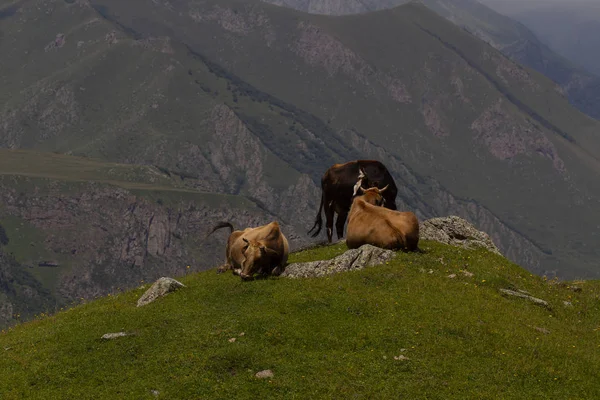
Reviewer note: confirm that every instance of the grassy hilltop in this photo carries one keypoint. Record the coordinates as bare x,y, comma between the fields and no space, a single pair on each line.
405,329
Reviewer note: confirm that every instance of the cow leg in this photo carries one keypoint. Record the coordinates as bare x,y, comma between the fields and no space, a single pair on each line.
340,222
263,272
329,220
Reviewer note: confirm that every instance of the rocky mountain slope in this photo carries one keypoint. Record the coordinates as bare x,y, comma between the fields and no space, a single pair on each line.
196,112
440,104
508,35
78,228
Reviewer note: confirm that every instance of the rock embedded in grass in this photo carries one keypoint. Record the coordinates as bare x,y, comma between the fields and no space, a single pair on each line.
522,295
110,336
161,287
456,231
351,260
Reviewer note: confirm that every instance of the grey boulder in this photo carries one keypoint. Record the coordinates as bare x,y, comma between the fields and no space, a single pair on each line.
161,287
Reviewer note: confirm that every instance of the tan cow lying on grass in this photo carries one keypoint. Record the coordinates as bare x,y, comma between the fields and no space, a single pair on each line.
369,223
262,250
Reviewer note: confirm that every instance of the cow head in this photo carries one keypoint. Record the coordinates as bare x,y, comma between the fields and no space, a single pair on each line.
373,195
376,185
256,255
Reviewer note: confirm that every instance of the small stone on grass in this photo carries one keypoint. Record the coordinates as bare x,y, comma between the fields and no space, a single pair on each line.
267,373
109,336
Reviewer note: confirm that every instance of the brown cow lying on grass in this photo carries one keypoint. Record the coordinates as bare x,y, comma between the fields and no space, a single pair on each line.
262,250
369,223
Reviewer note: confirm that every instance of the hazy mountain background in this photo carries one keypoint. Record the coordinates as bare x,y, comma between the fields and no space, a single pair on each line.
134,126
571,28
513,38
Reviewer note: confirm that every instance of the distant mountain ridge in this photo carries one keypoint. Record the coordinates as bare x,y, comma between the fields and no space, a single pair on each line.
507,35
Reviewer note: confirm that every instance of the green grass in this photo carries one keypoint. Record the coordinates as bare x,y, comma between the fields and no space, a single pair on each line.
332,337
38,164
27,247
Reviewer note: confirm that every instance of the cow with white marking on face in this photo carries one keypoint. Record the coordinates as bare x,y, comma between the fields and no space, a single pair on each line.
340,183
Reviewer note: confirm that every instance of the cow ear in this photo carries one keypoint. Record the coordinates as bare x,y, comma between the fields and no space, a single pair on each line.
384,189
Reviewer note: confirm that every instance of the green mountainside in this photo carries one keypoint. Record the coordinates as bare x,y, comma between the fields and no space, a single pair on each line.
21,295
432,325
511,37
140,124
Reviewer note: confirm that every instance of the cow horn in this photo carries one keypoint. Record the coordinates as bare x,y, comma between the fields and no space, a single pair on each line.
384,189
357,186
361,173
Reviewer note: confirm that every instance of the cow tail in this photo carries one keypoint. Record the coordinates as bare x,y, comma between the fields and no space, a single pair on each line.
222,225
400,239
412,243
319,220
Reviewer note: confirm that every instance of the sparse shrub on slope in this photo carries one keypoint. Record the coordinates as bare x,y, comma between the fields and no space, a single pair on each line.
3,236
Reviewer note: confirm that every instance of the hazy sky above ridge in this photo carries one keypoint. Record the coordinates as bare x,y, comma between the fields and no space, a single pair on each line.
520,6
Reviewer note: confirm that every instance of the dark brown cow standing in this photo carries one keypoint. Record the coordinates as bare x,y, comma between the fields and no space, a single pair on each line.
338,187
